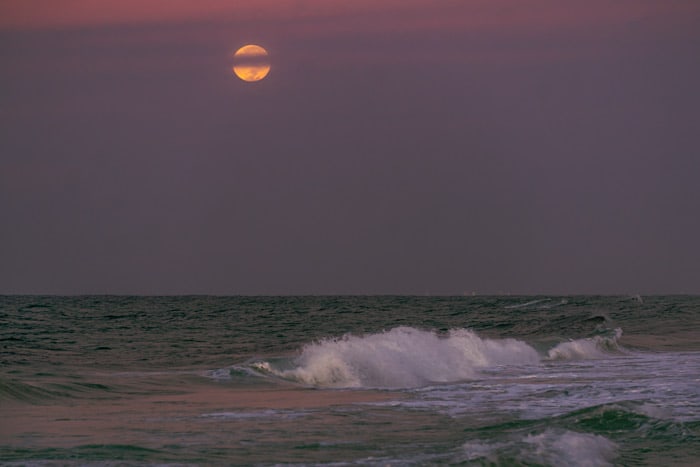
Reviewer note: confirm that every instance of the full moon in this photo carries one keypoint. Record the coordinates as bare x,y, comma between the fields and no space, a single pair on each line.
251,63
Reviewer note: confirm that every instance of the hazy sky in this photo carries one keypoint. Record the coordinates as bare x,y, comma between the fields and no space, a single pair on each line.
414,146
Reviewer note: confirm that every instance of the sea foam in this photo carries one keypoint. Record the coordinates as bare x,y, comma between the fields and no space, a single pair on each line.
551,447
401,357
571,448
587,348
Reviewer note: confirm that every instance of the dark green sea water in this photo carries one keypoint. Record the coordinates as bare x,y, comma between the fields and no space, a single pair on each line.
584,381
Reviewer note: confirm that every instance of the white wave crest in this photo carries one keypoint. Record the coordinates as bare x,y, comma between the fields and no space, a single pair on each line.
551,447
571,448
402,357
588,348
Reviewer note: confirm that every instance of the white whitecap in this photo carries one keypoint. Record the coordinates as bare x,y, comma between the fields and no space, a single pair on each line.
402,357
587,348
571,449
551,447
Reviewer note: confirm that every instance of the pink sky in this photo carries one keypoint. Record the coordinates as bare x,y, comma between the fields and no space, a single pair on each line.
21,14
272,22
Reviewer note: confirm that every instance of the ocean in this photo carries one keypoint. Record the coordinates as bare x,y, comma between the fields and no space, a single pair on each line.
350,380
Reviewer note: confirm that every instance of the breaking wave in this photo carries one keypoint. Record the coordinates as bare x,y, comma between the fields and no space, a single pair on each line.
587,348
401,357
571,448
406,357
551,447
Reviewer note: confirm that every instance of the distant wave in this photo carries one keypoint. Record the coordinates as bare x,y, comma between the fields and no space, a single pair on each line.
406,357
526,304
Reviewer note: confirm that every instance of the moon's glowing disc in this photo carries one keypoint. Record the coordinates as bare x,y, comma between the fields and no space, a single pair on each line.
251,63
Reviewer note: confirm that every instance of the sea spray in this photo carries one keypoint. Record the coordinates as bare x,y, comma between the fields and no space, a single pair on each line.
402,357
406,357
587,348
551,447
570,448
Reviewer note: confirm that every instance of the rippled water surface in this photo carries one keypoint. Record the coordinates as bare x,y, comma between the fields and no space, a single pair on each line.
587,381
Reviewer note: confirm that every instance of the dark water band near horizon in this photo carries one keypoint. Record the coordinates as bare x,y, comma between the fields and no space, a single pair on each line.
350,380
